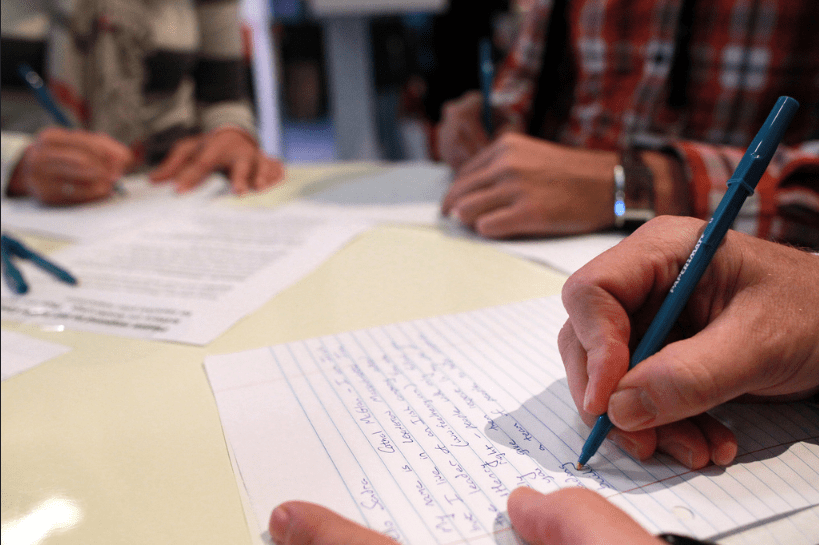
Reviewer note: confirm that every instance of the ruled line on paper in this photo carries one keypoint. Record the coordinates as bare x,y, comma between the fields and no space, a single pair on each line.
421,429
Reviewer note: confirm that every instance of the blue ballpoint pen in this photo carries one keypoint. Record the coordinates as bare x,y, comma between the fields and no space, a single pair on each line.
487,75
10,247
35,83
740,186
11,273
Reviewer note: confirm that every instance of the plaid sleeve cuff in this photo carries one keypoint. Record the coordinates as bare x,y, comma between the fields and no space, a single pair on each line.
709,167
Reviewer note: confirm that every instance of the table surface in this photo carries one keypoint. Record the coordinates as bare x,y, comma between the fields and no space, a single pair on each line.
119,440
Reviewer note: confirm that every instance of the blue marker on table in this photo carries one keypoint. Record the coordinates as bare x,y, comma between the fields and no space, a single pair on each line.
740,186
36,84
487,75
11,247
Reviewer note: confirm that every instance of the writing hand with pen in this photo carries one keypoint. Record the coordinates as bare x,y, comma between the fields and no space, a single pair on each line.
11,249
68,166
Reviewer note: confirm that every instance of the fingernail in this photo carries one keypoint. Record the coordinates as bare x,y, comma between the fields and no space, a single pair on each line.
724,454
587,399
681,453
631,409
279,521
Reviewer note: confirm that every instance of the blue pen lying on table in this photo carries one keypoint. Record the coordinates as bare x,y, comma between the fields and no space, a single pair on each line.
741,185
10,248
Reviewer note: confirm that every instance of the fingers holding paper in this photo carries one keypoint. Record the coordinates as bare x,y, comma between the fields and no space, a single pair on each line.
748,330
303,523
232,150
65,166
571,516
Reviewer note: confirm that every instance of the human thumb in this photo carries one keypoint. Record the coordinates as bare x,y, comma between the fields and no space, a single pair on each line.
686,378
572,516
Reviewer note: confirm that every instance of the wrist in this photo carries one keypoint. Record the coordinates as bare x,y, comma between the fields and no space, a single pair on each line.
671,194
633,191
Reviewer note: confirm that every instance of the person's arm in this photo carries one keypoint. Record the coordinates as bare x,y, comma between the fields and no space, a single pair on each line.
525,186
229,140
222,87
461,134
65,166
749,330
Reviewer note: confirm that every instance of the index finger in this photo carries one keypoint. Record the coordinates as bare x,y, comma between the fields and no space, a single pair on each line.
101,146
473,178
200,165
603,299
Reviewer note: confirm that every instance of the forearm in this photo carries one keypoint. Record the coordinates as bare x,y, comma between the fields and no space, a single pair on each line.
222,89
672,195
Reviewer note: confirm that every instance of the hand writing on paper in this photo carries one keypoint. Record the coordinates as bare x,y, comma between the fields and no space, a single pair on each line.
65,166
748,330
518,185
522,186
570,516
461,133
194,158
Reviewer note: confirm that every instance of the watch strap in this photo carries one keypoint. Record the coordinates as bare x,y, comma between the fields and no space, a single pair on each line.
633,191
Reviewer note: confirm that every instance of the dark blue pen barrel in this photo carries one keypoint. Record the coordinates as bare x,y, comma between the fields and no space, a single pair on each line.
487,73
740,186
763,146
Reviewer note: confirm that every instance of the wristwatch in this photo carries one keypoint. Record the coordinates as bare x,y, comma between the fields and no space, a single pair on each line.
633,191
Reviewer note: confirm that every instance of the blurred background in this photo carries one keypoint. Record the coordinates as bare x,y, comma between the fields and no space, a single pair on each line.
333,80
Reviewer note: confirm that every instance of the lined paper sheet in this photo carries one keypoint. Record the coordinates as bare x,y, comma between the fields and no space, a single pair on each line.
421,429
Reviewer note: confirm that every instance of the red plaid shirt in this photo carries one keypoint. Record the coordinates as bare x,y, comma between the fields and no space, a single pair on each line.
743,55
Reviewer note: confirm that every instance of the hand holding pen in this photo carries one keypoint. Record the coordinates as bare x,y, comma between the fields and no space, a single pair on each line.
67,166
749,330
595,364
466,125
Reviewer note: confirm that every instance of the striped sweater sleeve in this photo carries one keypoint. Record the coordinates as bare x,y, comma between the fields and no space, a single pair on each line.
222,89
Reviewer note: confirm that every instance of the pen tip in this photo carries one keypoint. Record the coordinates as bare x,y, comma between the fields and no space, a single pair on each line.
579,466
